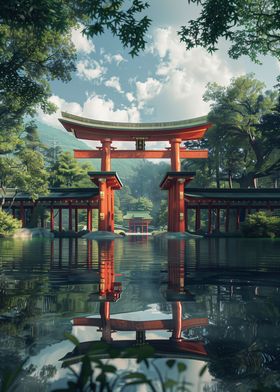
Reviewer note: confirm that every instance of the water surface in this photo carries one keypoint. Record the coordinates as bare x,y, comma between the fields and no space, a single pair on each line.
212,301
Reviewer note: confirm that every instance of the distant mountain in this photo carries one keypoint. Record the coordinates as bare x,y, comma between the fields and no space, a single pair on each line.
67,142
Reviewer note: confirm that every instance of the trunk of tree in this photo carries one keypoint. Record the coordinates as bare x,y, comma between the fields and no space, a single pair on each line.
246,181
230,180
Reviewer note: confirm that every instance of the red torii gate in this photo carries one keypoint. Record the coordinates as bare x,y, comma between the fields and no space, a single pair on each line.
107,181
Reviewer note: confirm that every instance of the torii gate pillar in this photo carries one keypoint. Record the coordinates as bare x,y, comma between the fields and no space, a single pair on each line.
107,182
175,183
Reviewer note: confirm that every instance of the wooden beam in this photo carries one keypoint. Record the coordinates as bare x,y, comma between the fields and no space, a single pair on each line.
147,154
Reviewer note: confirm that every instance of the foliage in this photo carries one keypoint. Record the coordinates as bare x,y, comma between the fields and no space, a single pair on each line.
161,217
252,27
35,45
261,224
8,224
242,144
24,169
67,172
97,375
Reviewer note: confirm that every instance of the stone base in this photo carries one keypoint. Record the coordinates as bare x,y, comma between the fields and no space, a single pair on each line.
36,232
101,235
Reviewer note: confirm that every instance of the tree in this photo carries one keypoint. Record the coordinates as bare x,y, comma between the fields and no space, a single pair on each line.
252,27
66,172
21,167
237,112
35,44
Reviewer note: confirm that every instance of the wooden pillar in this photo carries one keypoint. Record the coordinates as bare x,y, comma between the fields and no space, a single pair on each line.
109,208
186,219
170,211
197,218
209,230
102,221
76,219
89,254
177,320
51,219
59,219
112,228
237,219
105,320
218,219
60,252
22,214
227,220
89,218
70,216
175,154
106,155
181,205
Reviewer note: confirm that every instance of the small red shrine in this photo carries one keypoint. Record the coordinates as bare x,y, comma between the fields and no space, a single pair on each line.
137,221
141,133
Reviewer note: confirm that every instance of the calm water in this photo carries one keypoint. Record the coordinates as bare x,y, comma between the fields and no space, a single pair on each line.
212,301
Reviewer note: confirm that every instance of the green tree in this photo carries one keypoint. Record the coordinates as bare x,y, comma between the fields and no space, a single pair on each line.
23,168
67,172
143,203
244,150
35,45
252,27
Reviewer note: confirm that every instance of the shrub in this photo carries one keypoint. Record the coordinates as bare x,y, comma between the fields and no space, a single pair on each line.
261,224
8,224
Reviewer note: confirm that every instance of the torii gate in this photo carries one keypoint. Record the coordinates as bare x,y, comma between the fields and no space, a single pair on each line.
107,181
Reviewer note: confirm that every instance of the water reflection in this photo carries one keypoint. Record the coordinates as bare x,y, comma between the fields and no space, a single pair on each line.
109,291
212,300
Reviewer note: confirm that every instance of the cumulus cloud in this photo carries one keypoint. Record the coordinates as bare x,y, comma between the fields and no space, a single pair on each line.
117,58
81,43
114,82
148,89
130,97
62,105
183,76
95,106
89,69
100,108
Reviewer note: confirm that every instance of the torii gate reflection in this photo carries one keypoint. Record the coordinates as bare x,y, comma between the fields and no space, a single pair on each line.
110,290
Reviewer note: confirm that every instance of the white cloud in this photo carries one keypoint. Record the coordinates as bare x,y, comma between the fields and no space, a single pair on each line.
100,108
62,105
97,107
148,89
89,69
114,82
130,97
81,43
183,76
117,58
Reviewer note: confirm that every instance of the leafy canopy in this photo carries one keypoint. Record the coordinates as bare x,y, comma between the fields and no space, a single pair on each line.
241,134
252,27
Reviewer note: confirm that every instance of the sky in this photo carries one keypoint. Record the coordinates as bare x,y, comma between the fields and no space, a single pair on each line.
164,83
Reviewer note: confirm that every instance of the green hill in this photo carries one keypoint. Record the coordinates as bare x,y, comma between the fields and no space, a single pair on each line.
67,142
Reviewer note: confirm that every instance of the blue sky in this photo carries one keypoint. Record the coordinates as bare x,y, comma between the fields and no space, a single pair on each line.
164,83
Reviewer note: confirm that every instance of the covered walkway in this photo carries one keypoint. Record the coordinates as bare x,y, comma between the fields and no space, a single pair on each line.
226,208
62,204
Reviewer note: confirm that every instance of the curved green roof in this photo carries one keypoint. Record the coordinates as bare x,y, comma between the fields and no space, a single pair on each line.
129,126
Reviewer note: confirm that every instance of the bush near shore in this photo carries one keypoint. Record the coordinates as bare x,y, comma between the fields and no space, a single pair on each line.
8,224
261,224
